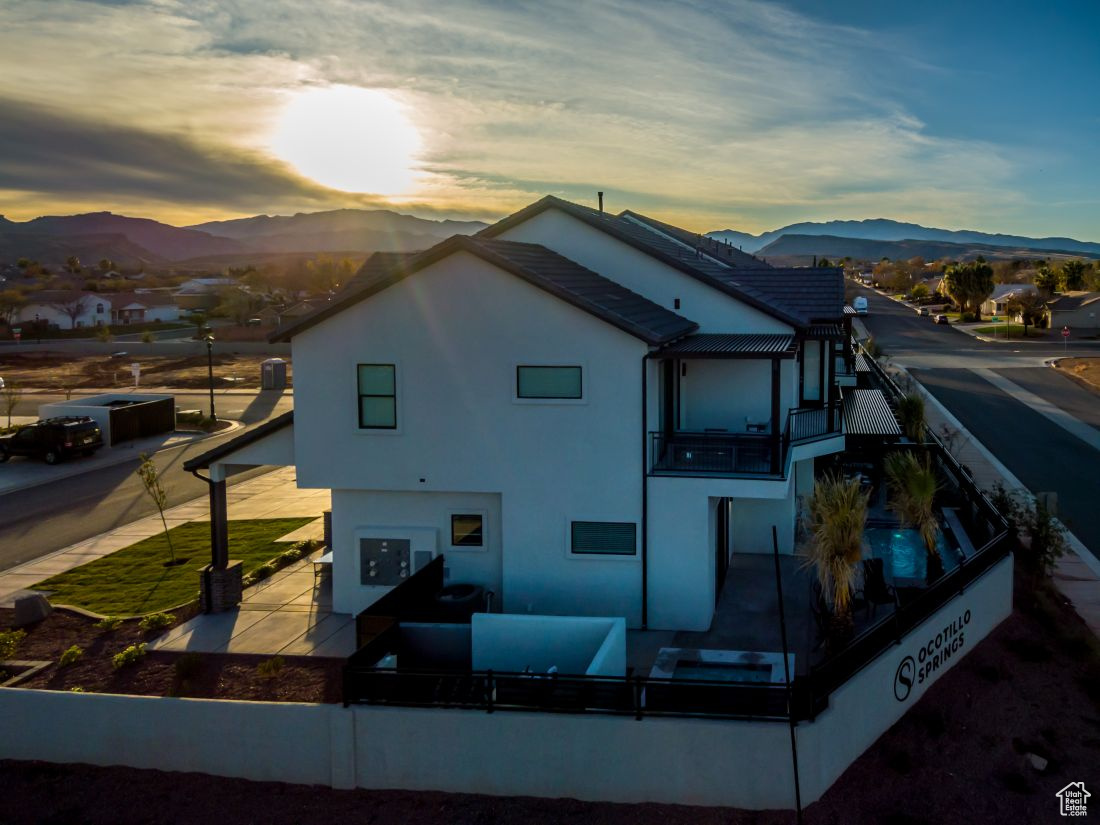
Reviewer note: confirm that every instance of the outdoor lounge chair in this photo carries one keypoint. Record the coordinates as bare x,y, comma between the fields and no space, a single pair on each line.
875,590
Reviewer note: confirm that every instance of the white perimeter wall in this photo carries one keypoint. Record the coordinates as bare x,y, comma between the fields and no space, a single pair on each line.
456,331
592,757
713,310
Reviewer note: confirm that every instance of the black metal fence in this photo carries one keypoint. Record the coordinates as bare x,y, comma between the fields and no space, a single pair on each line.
814,422
734,454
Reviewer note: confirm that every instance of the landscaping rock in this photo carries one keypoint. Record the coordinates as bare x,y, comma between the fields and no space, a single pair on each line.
33,607
1036,761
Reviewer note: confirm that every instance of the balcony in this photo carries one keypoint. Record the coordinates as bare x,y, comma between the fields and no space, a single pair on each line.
716,452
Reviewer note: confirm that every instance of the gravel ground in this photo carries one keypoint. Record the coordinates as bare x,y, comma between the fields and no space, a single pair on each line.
958,758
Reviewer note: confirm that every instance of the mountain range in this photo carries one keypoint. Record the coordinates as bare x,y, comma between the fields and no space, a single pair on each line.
141,242
131,242
883,229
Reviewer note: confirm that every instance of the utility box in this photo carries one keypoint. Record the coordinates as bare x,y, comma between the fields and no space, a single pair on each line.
273,374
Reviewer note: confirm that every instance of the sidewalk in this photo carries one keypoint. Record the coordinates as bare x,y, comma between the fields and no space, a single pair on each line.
23,473
272,495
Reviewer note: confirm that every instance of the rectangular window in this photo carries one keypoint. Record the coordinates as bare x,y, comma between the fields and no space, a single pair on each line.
548,382
467,530
604,538
377,397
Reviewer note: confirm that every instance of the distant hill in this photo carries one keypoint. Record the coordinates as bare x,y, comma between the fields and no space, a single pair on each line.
161,240
358,230
882,229
801,249
53,250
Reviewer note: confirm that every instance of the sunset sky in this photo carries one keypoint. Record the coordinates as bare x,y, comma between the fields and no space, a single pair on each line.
748,115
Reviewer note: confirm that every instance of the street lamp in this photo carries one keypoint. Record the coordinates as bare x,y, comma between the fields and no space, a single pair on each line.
208,339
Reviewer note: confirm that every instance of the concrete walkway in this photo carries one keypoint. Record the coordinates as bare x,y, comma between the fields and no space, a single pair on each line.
272,495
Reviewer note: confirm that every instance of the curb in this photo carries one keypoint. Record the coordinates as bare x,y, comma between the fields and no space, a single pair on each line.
116,460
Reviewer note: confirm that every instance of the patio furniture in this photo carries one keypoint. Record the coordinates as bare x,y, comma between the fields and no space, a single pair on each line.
875,590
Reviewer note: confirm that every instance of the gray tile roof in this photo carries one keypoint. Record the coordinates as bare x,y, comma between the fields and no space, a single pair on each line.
795,296
227,448
727,253
535,264
716,345
377,266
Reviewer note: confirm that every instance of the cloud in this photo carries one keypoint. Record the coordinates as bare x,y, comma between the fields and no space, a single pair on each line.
710,113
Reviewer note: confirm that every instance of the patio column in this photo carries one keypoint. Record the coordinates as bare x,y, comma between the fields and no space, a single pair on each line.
219,519
777,435
222,581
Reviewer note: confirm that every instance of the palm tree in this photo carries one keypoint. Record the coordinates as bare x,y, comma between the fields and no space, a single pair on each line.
912,485
836,516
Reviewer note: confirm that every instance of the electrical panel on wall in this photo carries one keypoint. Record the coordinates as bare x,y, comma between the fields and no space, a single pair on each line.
384,562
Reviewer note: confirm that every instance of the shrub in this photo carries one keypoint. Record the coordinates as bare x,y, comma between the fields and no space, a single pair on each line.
270,668
76,689
156,621
1030,517
263,571
147,337
70,656
911,416
872,347
129,656
108,623
188,666
9,641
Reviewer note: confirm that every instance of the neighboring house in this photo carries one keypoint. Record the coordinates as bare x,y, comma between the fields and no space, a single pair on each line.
67,309
1002,293
1080,311
201,294
586,413
143,308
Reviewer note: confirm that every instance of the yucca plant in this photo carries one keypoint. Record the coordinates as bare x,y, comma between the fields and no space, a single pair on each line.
912,485
911,416
835,518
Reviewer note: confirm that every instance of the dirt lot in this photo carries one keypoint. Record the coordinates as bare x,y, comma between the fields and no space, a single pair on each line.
1085,371
56,371
958,758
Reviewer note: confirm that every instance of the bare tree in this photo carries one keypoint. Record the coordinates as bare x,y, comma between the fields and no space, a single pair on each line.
150,480
73,308
10,398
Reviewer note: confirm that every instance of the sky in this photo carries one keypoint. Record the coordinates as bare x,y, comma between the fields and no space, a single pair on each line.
744,114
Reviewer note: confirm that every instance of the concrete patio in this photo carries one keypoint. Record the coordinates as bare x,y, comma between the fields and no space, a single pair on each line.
289,614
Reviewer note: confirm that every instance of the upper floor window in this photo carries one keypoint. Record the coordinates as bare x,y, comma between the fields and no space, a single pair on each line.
548,382
377,397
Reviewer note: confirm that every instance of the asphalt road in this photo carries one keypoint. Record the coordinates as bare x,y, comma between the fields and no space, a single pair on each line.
1042,455
40,520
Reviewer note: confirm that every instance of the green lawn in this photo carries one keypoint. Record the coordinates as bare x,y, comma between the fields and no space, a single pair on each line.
1009,331
135,580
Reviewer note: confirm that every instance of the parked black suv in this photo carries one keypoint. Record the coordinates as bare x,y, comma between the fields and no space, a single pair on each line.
54,439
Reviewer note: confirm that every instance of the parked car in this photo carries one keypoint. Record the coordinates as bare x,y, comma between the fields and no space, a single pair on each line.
922,311
53,439
941,319
860,305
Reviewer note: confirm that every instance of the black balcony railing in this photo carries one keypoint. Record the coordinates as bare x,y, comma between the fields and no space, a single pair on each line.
714,452
812,423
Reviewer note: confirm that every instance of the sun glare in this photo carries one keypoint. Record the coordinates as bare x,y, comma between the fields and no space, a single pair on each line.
349,138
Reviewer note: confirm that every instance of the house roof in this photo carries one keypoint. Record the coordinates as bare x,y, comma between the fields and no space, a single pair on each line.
1069,301
712,345
226,448
795,296
727,253
378,265
65,296
1005,290
535,264
145,299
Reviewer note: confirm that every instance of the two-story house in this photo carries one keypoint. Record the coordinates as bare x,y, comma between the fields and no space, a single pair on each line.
585,413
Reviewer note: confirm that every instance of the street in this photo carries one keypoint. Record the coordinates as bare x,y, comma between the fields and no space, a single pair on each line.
40,520
1043,455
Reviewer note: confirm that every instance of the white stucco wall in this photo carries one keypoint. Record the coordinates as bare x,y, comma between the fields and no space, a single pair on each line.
54,316
456,332
275,449
515,644
713,310
718,393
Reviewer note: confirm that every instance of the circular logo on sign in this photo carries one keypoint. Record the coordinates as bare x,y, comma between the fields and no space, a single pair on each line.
903,679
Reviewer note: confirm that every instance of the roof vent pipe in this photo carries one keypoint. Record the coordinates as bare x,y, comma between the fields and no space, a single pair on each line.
600,196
